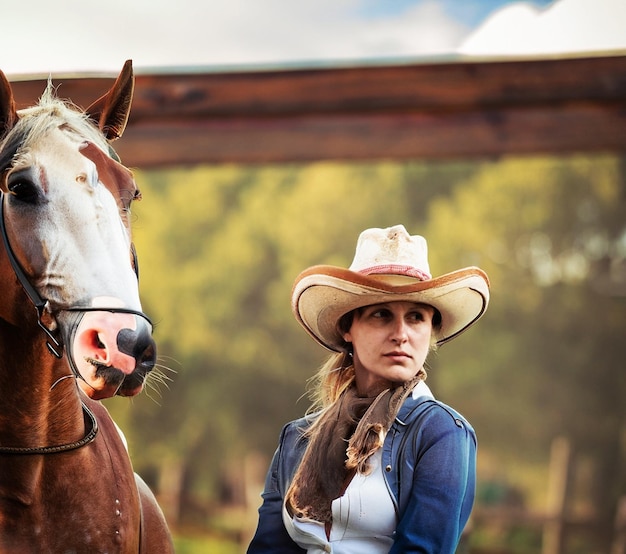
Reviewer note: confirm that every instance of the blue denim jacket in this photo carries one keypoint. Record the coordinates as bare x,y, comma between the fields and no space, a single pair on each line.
429,462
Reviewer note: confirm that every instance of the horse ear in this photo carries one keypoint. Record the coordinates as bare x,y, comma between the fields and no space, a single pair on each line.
8,113
111,111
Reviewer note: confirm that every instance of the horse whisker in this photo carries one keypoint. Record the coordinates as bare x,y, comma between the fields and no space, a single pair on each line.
94,362
155,379
158,374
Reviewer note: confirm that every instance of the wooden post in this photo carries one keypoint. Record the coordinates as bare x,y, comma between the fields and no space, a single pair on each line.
170,485
619,539
255,468
558,480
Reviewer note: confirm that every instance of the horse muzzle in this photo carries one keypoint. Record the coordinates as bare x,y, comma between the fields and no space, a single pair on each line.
111,350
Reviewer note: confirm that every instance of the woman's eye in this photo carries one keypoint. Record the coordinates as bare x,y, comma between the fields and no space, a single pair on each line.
420,315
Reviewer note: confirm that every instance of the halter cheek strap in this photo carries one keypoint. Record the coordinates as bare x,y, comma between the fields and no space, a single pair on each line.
54,344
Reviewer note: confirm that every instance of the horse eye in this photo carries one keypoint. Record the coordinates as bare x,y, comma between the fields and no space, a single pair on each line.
23,189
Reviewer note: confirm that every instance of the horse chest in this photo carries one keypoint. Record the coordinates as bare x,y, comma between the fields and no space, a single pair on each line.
75,502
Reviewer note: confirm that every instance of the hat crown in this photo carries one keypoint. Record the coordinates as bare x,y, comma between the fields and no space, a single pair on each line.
391,251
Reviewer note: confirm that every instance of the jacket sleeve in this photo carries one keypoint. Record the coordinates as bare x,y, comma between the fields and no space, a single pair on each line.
439,462
271,537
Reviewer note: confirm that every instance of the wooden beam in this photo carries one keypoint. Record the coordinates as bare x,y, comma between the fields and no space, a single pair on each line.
435,111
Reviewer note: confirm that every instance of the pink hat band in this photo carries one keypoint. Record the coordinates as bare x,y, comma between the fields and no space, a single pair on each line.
394,269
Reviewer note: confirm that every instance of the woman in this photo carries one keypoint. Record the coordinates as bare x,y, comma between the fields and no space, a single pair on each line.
381,466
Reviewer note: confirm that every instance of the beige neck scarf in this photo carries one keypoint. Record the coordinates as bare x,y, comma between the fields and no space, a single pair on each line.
344,438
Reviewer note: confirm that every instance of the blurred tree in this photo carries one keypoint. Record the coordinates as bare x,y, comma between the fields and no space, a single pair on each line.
548,359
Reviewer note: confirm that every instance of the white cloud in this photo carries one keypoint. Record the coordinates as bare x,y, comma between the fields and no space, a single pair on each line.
84,37
159,33
567,26
423,30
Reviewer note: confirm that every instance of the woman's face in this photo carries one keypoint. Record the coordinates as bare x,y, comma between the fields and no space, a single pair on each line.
390,342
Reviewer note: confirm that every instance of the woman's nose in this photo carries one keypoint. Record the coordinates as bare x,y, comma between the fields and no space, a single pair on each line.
399,331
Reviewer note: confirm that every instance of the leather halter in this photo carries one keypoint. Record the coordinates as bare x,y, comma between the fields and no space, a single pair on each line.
54,344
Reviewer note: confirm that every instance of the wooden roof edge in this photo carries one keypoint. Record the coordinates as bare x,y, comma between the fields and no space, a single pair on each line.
473,108
424,86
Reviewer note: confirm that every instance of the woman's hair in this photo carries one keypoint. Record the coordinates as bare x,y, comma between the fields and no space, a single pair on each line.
336,374
332,378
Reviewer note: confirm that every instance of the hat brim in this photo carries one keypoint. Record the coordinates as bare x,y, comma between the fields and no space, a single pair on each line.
323,294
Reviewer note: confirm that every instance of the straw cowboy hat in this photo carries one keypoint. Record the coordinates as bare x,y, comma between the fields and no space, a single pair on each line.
389,265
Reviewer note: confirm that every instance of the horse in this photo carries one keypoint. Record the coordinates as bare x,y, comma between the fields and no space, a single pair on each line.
72,330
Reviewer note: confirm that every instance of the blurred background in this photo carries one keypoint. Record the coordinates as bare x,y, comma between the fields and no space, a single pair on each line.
541,377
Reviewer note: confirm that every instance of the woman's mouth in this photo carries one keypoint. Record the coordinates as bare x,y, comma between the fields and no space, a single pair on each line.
397,355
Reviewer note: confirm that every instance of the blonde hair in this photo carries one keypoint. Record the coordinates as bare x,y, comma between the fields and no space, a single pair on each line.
333,377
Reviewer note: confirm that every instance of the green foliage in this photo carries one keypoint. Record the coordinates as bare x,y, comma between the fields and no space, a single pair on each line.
544,230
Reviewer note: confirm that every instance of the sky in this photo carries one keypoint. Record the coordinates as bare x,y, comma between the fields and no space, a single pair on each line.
82,36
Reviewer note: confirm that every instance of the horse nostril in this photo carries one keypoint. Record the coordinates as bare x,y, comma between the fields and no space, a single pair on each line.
98,342
147,360
139,344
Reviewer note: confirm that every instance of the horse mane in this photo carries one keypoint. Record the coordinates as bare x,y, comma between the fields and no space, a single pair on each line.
50,111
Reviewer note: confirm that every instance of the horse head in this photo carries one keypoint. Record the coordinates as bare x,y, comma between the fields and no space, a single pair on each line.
66,201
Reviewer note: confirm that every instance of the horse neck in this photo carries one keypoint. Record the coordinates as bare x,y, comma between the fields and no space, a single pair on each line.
39,406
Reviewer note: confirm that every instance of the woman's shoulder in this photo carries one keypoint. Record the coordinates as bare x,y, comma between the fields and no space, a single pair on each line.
296,429
417,411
